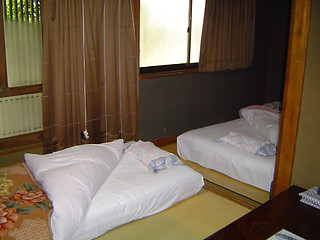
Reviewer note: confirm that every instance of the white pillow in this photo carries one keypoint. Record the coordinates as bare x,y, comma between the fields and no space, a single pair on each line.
266,123
154,158
249,144
70,178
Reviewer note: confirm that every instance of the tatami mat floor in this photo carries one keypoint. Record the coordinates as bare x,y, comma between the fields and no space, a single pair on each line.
220,202
192,219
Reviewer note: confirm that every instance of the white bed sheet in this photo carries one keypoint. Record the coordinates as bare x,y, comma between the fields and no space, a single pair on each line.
132,192
199,146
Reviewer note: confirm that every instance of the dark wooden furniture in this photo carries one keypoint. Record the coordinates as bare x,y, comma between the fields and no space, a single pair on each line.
285,211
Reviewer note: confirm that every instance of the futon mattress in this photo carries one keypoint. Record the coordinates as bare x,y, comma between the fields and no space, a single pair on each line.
132,192
201,146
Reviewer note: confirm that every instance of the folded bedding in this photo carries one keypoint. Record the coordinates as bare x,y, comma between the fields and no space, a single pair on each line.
96,187
133,192
155,159
263,119
71,177
244,148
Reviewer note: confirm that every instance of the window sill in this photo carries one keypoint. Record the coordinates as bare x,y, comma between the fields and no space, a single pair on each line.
9,92
144,76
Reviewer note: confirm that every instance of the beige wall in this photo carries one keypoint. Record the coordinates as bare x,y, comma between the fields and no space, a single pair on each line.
306,169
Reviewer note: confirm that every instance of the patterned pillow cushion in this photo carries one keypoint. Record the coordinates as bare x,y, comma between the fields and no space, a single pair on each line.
251,144
155,165
154,158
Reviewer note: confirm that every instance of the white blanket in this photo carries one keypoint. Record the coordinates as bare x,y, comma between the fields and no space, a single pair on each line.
96,187
70,178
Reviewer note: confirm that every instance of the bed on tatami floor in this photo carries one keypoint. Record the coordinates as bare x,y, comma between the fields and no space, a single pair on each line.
87,190
243,149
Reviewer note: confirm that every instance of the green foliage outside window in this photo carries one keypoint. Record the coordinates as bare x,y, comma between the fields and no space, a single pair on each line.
21,10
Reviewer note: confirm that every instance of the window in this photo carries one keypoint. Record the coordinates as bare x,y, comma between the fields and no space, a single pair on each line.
20,70
170,33
22,31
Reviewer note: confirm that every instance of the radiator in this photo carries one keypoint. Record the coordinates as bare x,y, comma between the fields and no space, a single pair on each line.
20,115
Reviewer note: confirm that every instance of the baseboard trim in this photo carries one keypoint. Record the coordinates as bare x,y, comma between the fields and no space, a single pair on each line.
165,141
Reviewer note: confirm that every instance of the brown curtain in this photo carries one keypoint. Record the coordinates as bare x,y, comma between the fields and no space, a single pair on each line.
228,35
90,72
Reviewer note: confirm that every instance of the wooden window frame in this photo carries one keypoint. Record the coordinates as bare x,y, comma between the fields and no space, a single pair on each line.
25,141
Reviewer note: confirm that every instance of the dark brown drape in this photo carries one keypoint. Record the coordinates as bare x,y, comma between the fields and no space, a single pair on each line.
228,35
90,71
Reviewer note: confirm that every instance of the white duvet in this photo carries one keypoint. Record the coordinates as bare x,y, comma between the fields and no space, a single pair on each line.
70,178
96,187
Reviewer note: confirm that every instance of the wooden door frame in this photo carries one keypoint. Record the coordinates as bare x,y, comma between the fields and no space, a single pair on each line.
297,49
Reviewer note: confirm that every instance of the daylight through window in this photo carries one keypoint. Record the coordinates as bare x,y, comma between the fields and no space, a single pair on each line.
22,30
21,71
170,31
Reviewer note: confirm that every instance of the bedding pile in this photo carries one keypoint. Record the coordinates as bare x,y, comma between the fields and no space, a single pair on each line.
243,149
71,177
264,119
96,187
